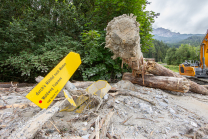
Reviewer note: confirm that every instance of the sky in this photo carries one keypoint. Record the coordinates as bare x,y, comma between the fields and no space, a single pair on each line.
183,16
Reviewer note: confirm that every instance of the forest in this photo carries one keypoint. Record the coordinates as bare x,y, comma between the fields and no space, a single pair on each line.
174,55
36,34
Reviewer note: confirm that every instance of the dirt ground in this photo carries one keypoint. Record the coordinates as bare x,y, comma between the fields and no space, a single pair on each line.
175,115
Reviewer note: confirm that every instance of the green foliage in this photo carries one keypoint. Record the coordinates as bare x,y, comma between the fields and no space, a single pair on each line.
157,51
177,56
103,11
97,62
192,40
36,35
174,68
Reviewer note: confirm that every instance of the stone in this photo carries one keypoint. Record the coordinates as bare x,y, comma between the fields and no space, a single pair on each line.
165,100
92,128
168,128
162,104
126,84
158,96
205,137
59,115
110,103
163,131
49,131
117,101
171,111
126,101
106,96
86,136
193,124
85,123
145,108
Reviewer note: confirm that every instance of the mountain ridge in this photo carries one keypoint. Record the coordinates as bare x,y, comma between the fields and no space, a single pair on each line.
168,36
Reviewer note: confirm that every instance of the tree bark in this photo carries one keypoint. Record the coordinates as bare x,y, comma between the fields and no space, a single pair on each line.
157,69
161,82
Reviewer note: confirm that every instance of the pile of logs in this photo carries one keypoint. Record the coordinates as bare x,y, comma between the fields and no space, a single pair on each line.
122,38
157,76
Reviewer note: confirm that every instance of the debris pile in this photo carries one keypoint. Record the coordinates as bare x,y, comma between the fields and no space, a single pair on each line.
127,111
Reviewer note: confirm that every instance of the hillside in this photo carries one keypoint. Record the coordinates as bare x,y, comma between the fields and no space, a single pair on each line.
192,40
167,36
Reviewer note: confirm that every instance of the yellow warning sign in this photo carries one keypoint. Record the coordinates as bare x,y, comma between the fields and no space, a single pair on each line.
69,97
45,92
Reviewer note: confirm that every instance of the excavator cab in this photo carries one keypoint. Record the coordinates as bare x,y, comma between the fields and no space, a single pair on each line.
197,68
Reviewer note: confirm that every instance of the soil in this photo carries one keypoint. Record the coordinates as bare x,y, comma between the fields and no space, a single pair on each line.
175,115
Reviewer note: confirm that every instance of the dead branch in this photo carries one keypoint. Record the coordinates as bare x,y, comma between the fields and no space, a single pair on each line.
19,105
35,123
106,125
126,120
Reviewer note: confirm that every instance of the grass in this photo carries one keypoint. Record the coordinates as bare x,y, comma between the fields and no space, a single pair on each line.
174,68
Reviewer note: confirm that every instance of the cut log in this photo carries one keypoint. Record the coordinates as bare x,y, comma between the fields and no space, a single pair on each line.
196,88
206,86
157,69
161,82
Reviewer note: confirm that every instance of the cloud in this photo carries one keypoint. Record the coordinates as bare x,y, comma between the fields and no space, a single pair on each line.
184,16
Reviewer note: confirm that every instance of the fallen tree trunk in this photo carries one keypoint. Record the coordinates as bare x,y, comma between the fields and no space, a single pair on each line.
157,69
161,82
206,86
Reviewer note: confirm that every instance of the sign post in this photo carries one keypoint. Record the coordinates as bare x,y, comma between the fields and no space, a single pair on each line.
45,92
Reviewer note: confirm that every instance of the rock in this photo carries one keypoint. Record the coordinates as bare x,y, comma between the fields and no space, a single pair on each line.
171,111
158,96
191,117
9,98
85,123
205,137
86,136
110,103
106,96
59,115
126,101
168,128
70,86
117,101
162,104
163,131
145,108
189,131
165,100
193,124
126,84
49,131
92,128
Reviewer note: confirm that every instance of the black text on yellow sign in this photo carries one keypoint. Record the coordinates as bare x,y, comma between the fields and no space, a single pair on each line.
45,92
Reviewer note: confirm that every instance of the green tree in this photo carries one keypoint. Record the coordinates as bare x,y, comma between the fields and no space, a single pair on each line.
176,56
157,51
36,34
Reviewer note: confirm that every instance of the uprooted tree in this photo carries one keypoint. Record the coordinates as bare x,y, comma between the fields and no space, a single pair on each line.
122,38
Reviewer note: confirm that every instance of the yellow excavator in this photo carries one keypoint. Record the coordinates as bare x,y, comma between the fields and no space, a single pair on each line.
197,68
